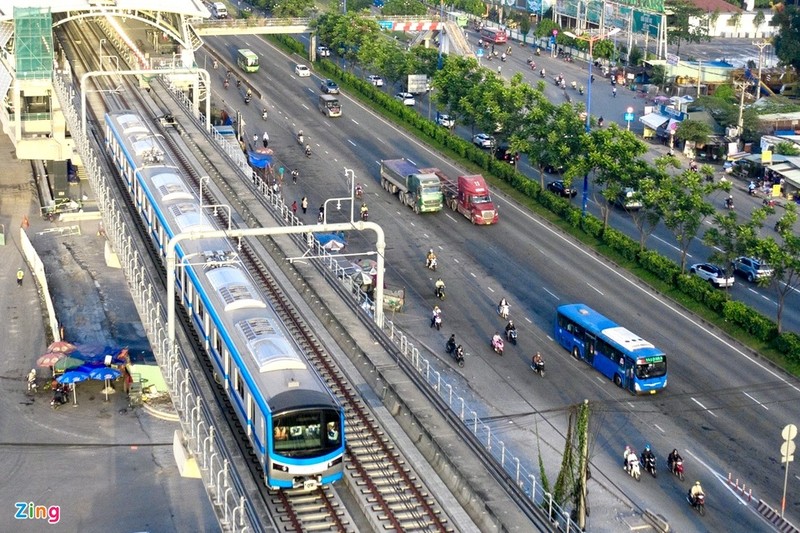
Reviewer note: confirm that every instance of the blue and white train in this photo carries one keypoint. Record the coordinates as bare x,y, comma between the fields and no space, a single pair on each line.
293,421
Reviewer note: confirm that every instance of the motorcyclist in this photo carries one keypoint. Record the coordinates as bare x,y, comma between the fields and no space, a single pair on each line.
32,380
359,191
459,355
264,113
503,307
751,188
295,175
300,136
600,122
696,491
364,211
631,461
436,317
648,455
729,202
308,150
542,73
673,458
439,285
536,361
503,56
430,258
497,340
509,328
451,344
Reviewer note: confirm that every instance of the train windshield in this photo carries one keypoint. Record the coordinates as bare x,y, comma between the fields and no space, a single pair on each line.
307,433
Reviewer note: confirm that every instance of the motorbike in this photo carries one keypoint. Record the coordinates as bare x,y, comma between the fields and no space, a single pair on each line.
431,264
538,368
359,193
580,89
456,353
264,114
729,204
247,100
60,396
503,57
497,345
542,74
511,335
364,215
677,469
32,385
634,469
574,85
300,138
538,51
225,84
768,202
698,503
437,321
650,465
439,292
308,151
503,310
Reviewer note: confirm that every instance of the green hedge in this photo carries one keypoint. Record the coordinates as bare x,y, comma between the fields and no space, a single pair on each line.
760,327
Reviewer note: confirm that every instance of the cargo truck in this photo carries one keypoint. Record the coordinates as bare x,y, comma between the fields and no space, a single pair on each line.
421,191
469,196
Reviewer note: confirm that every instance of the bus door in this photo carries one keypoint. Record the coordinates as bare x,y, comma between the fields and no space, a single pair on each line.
628,381
590,341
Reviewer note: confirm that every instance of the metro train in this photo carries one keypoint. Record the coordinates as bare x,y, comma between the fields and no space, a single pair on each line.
293,421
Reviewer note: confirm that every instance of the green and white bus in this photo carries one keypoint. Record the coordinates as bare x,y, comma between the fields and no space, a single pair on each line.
247,60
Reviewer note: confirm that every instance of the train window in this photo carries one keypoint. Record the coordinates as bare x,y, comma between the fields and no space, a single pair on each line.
310,433
239,384
217,342
250,410
198,308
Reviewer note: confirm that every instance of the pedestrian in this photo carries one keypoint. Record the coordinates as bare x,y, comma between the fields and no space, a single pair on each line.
294,207
304,204
321,215
127,380
614,92
265,139
295,174
20,275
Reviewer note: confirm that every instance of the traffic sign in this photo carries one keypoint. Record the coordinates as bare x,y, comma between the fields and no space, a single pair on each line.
629,117
479,53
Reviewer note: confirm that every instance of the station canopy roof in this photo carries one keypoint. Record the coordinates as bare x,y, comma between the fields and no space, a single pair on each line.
191,8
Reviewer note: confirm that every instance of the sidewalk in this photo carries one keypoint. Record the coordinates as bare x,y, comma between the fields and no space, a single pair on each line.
95,466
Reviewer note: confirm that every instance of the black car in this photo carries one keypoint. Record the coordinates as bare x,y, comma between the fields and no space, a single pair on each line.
558,187
504,153
554,169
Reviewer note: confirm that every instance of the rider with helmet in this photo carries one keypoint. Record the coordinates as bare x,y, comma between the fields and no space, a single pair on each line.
439,288
430,258
696,491
509,328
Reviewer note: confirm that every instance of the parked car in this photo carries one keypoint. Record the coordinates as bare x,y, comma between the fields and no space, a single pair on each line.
553,169
504,153
559,187
377,81
446,120
483,140
712,273
302,71
329,87
406,98
751,268
323,51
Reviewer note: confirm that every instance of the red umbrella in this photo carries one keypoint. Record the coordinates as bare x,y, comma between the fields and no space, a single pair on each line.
50,359
61,346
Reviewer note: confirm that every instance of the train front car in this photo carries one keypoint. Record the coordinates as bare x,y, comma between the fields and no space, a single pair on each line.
292,420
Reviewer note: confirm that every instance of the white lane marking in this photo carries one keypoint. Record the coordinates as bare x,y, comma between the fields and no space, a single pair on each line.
550,293
630,404
759,403
528,319
490,289
354,121
596,289
658,428
412,162
351,142
705,408
473,275
448,216
669,244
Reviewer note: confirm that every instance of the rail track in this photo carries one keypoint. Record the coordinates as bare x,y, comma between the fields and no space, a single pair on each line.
389,492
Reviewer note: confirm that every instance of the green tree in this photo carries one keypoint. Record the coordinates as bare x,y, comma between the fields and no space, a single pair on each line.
636,55
684,205
783,255
291,8
612,154
403,7
693,130
658,75
525,27
728,239
457,78
786,148
759,19
648,180
680,28
787,40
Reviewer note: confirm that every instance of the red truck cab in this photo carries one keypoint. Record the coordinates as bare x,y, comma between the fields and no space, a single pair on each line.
474,200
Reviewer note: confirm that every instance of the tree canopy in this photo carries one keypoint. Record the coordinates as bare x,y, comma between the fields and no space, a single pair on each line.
787,40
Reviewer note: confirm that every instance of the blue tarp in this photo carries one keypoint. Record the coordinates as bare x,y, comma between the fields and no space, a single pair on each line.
258,160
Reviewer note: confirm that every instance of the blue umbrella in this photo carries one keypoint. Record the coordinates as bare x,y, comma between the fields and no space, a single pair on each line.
105,373
72,377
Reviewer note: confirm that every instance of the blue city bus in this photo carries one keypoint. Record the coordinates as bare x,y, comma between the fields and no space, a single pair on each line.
617,353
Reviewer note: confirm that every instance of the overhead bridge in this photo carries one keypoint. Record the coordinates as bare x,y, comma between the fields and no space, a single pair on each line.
257,25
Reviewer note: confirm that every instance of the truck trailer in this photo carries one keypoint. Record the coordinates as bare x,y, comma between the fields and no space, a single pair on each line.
421,191
469,195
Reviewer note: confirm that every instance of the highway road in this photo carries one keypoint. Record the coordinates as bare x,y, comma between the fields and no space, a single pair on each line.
723,409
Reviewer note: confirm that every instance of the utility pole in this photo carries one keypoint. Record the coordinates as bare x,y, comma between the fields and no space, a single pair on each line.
583,439
742,86
761,45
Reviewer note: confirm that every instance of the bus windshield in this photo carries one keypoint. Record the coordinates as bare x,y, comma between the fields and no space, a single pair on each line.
653,369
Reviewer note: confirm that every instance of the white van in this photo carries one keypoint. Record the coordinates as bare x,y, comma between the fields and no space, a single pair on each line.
219,11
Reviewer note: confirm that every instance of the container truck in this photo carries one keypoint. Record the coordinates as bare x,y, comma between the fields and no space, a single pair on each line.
469,195
421,191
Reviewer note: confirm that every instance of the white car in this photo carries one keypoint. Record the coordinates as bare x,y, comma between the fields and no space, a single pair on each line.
712,274
302,71
323,51
446,120
483,140
377,81
406,98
